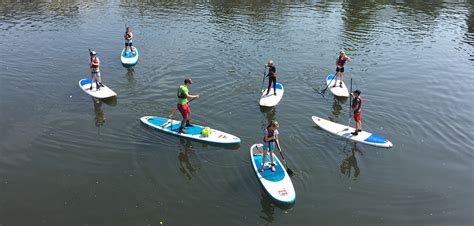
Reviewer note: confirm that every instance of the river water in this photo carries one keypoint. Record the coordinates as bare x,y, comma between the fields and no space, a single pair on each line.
66,159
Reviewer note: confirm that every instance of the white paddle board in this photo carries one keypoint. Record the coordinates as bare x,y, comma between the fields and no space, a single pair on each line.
276,184
345,131
192,132
271,99
102,93
336,91
129,59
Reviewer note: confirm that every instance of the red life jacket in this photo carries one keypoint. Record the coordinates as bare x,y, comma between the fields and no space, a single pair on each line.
359,109
95,60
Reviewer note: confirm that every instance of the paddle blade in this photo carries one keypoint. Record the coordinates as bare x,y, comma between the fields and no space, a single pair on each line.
290,172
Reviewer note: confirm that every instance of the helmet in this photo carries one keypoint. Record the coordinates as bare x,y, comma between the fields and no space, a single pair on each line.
270,62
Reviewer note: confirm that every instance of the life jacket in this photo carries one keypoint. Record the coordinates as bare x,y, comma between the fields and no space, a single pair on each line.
179,94
359,109
341,61
128,35
95,68
272,71
270,134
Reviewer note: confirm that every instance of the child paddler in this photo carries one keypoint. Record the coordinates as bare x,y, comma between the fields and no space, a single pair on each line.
272,76
269,139
183,98
357,111
340,63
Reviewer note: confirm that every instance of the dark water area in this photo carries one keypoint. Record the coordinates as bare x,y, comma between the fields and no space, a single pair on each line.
66,159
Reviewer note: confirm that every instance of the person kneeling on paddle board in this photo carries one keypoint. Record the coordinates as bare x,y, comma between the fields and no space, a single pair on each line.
183,107
357,111
271,76
128,39
95,71
269,139
340,62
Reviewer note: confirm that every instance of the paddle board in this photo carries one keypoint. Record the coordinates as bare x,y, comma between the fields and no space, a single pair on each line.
336,91
102,93
129,59
271,99
276,184
191,132
345,131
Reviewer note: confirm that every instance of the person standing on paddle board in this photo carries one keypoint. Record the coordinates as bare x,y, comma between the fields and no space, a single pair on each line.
357,111
269,139
183,98
95,70
340,63
271,76
128,39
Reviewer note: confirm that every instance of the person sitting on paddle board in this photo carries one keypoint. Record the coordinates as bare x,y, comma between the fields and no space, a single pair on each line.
183,98
357,111
271,76
95,71
340,62
128,39
269,139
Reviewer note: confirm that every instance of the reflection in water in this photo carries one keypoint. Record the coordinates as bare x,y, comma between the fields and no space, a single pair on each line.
350,162
129,75
268,208
269,114
185,166
469,36
337,106
99,113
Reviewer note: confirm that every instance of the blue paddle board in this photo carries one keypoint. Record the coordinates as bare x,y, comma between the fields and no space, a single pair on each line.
128,58
192,132
276,184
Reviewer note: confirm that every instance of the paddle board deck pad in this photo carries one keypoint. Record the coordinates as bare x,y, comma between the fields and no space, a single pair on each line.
336,91
345,131
276,184
192,132
128,58
271,99
102,93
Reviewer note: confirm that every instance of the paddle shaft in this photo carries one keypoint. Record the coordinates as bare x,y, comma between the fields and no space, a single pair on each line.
264,76
90,54
283,157
350,105
176,109
334,77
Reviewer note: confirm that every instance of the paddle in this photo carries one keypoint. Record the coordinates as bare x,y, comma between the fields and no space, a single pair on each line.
264,76
90,54
350,105
324,90
290,172
172,114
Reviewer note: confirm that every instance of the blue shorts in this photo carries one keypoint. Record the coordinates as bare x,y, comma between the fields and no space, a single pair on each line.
269,146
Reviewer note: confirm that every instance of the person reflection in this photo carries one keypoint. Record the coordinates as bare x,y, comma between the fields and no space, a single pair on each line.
130,73
336,107
99,113
185,166
268,208
349,163
269,113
